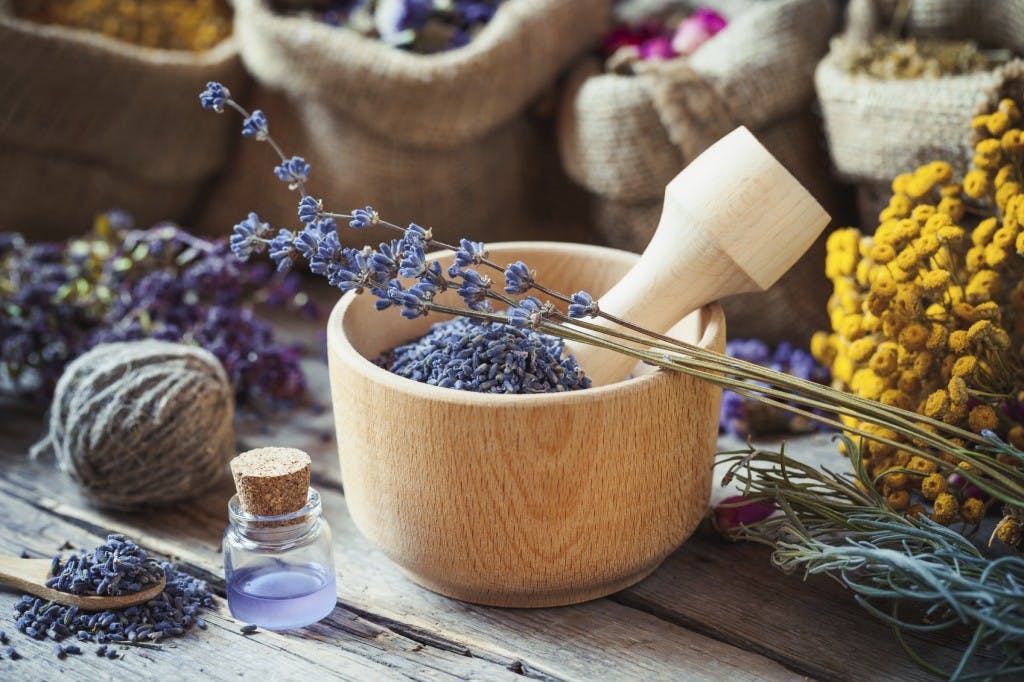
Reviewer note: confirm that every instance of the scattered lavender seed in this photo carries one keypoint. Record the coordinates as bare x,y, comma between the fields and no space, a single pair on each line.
12,653
248,629
125,568
23,554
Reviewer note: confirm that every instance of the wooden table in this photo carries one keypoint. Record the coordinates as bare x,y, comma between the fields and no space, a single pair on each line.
714,610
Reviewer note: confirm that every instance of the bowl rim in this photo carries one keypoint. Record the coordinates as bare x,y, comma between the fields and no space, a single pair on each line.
339,345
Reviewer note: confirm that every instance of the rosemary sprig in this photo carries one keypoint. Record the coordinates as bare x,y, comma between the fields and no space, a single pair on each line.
838,525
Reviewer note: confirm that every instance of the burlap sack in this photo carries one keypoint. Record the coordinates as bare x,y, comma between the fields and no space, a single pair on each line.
878,129
90,123
444,140
625,137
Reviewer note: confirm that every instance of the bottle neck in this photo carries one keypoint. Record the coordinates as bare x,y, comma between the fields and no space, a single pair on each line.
276,531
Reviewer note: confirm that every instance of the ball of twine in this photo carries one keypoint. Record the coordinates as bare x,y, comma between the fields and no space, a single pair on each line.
142,423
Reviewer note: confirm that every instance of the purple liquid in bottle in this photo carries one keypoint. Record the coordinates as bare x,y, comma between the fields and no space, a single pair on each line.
279,596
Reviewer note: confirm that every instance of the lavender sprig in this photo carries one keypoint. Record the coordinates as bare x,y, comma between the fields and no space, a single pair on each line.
916,434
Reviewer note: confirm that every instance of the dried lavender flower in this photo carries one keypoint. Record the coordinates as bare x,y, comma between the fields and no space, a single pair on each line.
470,253
530,313
363,218
309,209
582,305
125,569
421,26
294,171
115,568
255,126
518,278
488,358
380,270
214,97
744,416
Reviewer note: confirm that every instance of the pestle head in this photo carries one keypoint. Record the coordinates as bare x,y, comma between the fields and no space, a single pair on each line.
734,221
746,210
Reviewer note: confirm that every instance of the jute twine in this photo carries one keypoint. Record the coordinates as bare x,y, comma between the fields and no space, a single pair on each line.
142,423
625,137
878,128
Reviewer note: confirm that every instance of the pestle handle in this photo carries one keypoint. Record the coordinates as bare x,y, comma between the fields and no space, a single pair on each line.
734,221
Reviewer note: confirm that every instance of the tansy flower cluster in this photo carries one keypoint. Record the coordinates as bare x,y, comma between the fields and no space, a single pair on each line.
927,314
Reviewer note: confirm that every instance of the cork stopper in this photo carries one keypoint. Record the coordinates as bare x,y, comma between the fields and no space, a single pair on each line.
271,481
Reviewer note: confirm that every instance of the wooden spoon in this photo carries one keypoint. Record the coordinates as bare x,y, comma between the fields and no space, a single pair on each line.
734,221
30,575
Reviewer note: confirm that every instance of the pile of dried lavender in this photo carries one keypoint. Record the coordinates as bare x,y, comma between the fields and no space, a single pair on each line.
116,567
487,358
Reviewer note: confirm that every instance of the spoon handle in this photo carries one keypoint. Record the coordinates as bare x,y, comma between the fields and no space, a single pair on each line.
23,574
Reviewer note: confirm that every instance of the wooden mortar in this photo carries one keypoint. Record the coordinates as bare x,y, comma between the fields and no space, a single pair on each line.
521,500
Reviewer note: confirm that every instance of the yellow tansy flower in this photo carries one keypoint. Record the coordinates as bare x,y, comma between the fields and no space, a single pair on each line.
965,366
982,234
862,349
913,337
937,404
945,509
997,123
933,485
976,184
983,417
957,388
972,510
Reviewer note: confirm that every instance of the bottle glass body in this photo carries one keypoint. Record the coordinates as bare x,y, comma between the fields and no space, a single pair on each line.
279,569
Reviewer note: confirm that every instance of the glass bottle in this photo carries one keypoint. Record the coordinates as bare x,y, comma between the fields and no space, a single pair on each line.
279,569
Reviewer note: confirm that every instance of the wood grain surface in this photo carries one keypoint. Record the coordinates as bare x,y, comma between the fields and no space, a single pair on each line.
712,611
521,500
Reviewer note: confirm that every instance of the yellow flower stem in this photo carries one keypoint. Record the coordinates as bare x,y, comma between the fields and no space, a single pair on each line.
757,372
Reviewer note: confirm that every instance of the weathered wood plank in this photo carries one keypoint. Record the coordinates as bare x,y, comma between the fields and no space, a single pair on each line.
345,645
601,639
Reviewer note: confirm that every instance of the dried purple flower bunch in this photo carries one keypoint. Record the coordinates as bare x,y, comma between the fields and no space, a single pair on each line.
743,416
421,26
58,300
496,352
123,566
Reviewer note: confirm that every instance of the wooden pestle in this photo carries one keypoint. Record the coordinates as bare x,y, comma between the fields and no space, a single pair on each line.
734,221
